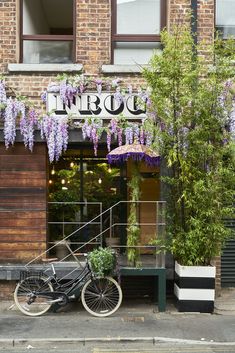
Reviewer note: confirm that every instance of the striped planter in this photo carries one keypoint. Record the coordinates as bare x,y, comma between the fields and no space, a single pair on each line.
194,288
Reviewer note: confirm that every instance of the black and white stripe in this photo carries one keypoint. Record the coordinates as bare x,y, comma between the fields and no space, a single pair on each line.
194,288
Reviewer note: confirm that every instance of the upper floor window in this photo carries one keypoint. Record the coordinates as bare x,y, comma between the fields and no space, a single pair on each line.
136,26
47,33
225,17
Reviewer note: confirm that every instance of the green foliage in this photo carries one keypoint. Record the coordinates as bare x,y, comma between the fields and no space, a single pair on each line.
192,96
102,261
133,229
66,196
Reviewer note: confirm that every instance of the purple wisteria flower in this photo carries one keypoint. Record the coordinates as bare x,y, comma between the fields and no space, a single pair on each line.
115,82
44,96
136,132
55,130
142,136
3,96
53,87
113,126
95,139
129,135
10,114
119,134
32,123
149,138
144,95
99,84
231,120
118,96
81,83
130,89
109,137
67,92
90,129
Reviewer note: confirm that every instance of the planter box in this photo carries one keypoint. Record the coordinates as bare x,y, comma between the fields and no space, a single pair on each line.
194,288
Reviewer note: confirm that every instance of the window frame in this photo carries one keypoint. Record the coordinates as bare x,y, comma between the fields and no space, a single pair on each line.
48,37
134,37
215,23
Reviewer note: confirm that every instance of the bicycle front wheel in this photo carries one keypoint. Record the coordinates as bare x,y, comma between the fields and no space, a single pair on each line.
101,297
28,298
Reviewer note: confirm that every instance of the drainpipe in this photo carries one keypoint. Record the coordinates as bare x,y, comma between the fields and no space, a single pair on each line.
194,20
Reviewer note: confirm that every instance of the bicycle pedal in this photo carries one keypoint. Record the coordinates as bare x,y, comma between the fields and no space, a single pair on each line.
72,296
56,301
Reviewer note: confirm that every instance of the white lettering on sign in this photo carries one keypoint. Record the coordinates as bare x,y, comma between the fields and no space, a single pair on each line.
102,105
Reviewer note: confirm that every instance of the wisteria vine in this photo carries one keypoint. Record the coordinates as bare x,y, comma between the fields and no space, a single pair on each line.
18,115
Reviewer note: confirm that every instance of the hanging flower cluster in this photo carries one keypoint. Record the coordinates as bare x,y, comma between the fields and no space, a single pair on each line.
227,105
70,86
54,129
92,129
118,129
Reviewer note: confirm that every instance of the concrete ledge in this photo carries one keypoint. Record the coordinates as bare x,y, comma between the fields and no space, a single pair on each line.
113,69
45,67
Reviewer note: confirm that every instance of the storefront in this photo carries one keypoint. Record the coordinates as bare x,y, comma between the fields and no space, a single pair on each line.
105,48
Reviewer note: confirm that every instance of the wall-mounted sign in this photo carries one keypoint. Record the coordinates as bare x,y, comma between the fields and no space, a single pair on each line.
102,105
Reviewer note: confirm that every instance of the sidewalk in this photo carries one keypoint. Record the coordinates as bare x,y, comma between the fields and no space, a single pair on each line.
135,321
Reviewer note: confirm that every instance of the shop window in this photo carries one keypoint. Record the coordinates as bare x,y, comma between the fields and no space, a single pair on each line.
225,17
47,34
136,28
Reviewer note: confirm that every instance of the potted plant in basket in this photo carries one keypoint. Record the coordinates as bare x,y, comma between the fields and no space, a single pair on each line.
193,101
102,261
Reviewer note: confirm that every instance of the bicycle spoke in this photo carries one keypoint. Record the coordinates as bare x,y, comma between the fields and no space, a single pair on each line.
101,297
27,296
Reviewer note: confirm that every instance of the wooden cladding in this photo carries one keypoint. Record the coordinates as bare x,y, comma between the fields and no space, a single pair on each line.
23,202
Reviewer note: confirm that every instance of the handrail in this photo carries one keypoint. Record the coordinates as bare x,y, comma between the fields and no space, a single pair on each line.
110,209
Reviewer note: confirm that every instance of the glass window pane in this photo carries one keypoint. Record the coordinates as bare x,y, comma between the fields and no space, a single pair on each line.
225,17
135,52
138,16
47,17
46,52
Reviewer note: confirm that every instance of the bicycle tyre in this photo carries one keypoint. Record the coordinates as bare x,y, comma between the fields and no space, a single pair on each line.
25,289
101,297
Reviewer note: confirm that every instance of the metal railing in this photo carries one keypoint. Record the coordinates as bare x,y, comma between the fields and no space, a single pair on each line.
158,224
61,228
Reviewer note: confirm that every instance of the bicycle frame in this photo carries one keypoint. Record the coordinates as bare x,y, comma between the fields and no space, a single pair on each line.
70,287
68,290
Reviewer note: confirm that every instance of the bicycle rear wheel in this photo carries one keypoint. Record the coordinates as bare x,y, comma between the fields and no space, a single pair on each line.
27,298
101,297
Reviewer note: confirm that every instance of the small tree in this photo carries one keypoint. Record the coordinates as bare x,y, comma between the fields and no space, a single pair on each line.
192,97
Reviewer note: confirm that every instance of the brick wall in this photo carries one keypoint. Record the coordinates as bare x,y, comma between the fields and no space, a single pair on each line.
206,20
8,37
93,38
93,34
178,11
7,289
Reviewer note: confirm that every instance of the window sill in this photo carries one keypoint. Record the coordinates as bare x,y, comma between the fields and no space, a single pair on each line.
113,69
45,67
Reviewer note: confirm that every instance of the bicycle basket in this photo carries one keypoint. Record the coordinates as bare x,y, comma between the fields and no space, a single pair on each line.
30,273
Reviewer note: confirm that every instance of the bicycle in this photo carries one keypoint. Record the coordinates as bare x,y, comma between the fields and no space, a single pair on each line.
36,292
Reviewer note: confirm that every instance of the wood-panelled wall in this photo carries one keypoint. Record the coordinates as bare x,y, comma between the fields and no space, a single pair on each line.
23,202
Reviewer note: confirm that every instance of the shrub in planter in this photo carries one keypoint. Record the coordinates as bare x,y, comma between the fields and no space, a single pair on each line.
102,261
193,100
